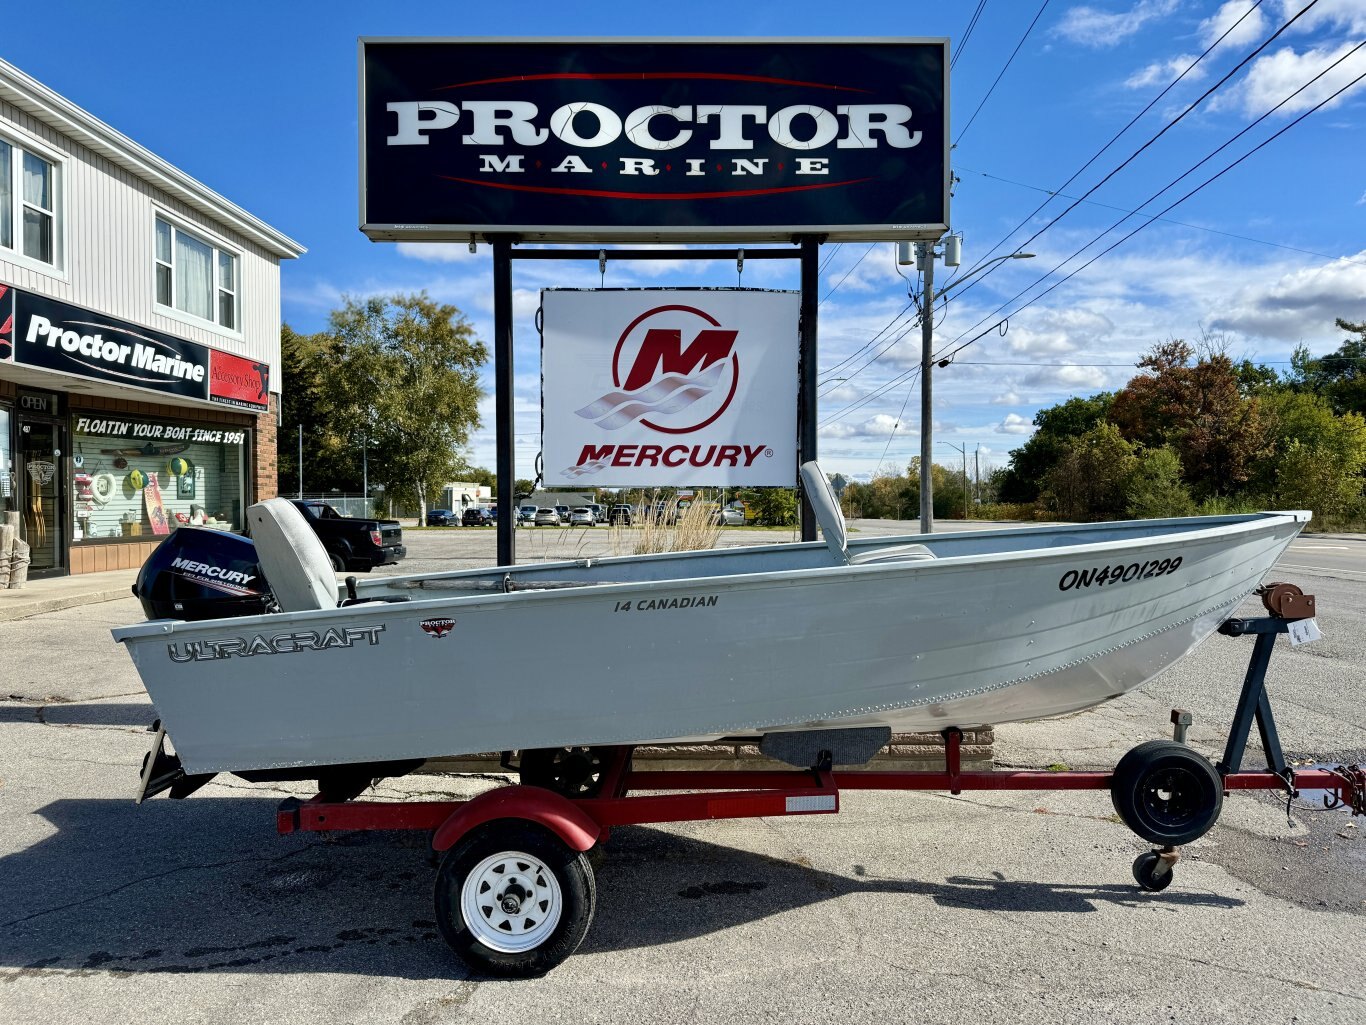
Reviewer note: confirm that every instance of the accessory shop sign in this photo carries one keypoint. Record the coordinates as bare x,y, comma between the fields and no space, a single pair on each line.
56,336
653,387
721,140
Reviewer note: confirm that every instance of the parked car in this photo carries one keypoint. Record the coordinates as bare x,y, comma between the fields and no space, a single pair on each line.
599,512
526,514
354,544
581,517
563,510
476,516
547,518
440,518
729,516
619,515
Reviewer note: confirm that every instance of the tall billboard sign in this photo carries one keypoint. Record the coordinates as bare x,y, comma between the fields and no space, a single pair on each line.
684,140
657,387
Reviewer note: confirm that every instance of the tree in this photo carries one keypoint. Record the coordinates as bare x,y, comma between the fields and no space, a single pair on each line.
308,365
1057,426
1200,411
410,382
1091,480
776,507
1340,376
1155,488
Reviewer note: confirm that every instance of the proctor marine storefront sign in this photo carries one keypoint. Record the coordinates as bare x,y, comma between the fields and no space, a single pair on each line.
650,387
702,140
57,336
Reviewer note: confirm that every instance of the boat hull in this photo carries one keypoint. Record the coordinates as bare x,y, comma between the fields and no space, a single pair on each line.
1062,620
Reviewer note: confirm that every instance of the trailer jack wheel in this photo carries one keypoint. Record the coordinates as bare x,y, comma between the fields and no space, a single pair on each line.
1153,872
513,900
1167,793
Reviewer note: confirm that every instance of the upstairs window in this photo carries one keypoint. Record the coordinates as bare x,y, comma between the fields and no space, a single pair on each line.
195,276
29,219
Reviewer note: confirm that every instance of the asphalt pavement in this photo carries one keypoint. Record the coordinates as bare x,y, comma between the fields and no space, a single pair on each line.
978,908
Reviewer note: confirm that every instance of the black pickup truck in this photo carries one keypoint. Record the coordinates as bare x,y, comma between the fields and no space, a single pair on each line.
354,544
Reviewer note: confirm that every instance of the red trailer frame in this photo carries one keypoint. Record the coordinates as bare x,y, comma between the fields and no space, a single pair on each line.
1163,790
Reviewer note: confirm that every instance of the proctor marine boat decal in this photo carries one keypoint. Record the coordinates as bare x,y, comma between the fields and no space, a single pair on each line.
437,627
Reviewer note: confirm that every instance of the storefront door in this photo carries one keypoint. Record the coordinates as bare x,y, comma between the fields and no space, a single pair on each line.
42,485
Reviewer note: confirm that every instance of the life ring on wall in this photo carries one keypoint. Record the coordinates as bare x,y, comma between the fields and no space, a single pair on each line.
102,487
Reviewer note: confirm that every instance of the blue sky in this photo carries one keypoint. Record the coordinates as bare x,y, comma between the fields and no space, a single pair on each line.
259,102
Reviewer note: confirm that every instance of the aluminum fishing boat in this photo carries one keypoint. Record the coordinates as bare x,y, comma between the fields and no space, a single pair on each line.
910,633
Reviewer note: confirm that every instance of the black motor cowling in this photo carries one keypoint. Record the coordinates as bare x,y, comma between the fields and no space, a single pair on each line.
201,573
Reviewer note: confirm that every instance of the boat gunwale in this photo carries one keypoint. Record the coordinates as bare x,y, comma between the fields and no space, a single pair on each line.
1242,524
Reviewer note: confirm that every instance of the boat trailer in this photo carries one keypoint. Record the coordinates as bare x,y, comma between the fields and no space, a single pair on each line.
515,892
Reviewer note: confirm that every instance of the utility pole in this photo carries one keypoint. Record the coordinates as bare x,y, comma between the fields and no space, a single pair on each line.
964,450
926,253
977,473
301,462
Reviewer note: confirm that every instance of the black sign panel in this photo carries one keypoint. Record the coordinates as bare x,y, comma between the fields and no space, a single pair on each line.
711,140
57,336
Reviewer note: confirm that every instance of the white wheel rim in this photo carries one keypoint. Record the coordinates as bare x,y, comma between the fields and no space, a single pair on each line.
511,902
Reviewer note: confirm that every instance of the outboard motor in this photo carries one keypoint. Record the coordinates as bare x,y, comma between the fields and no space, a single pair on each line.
201,573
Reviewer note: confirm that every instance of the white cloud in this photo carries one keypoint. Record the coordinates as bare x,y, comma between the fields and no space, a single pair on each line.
880,426
1251,28
1068,377
1349,15
1014,424
440,252
1362,200
1163,71
1302,303
1272,78
1056,331
1006,399
1091,26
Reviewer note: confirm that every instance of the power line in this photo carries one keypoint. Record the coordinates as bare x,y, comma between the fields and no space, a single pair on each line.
1003,70
967,33
854,355
1178,202
1247,128
1167,220
1115,138
850,271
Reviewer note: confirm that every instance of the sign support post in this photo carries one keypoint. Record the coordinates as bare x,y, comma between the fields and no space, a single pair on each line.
502,416
806,374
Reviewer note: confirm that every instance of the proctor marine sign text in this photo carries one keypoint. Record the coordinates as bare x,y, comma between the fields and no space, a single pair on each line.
717,139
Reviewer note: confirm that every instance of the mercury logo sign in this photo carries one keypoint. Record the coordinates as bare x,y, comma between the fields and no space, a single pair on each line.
680,389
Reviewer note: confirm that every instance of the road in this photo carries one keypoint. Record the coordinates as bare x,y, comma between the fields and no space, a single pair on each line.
978,908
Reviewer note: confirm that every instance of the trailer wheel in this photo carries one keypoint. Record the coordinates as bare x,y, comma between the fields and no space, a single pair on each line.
1167,793
1145,872
338,563
513,900
568,771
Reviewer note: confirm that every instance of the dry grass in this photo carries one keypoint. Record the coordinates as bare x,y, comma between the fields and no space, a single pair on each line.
693,530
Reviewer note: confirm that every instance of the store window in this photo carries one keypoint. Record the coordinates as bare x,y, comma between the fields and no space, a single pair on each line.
29,216
8,481
142,479
194,276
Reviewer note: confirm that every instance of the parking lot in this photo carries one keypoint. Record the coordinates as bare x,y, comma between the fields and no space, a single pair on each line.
978,908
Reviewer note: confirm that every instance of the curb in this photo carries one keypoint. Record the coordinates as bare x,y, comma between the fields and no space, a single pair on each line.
67,601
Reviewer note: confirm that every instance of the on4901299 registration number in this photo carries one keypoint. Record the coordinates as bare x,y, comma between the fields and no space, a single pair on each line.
1122,573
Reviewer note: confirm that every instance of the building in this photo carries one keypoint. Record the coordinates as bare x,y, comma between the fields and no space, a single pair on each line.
139,340
460,495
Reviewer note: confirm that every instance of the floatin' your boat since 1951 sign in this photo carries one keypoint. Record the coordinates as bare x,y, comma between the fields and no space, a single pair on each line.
659,387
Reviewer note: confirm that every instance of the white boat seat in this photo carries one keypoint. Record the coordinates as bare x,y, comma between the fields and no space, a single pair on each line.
295,563
831,519
895,553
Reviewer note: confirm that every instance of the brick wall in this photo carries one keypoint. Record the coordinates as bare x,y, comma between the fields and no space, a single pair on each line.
265,473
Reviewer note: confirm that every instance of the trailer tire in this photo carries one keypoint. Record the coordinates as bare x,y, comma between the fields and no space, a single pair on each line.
1167,793
338,563
513,900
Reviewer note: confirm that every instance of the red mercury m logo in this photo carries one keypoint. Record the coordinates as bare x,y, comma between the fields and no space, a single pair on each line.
673,365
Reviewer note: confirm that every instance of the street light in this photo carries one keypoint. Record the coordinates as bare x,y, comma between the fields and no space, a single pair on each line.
964,450
926,254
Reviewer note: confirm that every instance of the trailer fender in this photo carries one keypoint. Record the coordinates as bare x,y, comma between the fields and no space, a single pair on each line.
558,814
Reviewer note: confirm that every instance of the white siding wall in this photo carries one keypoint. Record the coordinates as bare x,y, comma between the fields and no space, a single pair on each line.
108,217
